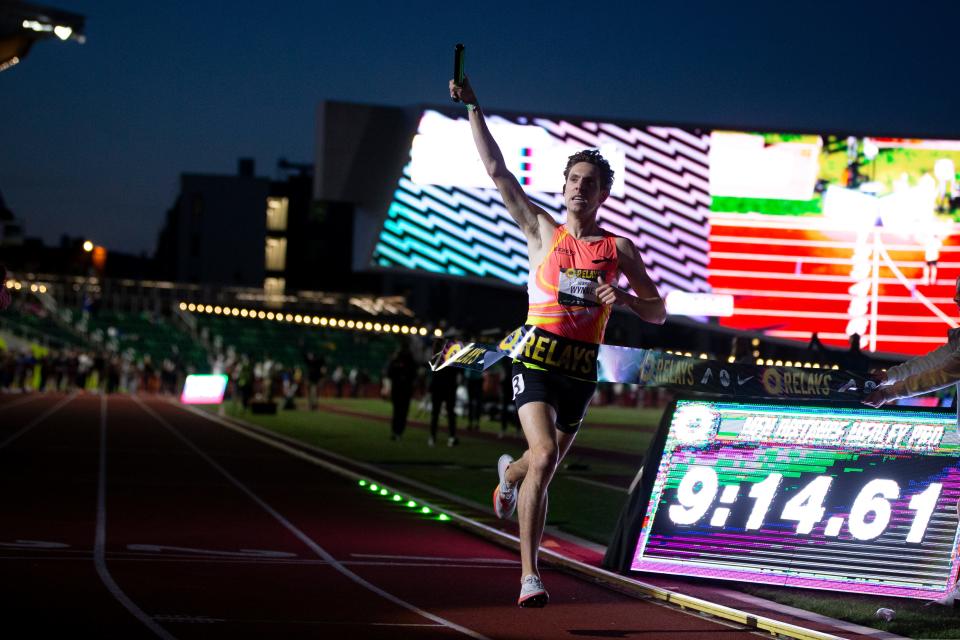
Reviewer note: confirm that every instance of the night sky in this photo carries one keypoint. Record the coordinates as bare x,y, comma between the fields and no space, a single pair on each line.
94,136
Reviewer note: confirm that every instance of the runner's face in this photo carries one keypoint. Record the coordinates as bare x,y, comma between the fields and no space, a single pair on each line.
583,192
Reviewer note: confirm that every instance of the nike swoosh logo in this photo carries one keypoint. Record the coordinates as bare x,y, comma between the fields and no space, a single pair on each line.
741,381
602,260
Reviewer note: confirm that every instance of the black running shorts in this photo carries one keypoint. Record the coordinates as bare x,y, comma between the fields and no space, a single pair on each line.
569,397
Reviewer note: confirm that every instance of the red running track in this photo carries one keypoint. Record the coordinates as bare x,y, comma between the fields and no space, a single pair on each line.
133,518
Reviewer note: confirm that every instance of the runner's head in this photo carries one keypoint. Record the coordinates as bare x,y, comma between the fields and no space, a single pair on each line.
593,157
588,179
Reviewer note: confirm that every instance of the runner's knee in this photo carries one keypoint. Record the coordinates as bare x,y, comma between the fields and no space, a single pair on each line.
542,461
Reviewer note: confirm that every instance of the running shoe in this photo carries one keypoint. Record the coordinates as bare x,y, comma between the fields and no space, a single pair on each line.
532,593
505,494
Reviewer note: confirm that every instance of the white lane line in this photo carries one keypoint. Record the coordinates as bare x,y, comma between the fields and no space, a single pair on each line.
100,541
19,401
34,544
190,619
310,453
384,556
194,561
597,483
242,553
304,538
43,416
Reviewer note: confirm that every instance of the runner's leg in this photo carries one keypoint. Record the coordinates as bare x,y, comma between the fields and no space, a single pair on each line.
518,468
543,453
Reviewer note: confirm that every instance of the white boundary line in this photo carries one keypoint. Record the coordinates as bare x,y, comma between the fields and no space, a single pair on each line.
303,537
23,400
723,613
43,416
597,483
100,541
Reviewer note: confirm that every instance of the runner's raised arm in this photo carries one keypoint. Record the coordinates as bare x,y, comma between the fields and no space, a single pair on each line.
531,219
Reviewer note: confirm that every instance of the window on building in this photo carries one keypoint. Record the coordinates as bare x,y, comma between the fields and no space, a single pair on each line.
276,254
277,214
274,286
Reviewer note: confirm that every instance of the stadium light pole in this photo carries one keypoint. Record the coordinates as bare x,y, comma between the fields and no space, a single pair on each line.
22,24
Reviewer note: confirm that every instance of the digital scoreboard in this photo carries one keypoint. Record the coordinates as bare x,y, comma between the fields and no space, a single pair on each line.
780,233
204,388
847,499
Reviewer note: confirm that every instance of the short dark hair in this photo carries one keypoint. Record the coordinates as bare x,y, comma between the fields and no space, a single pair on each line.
593,157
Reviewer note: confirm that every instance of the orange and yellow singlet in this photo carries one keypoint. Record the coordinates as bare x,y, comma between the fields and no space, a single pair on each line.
562,289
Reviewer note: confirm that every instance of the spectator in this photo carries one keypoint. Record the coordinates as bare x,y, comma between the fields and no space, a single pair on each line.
354,380
855,359
402,372
815,345
339,379
508,410
244,375
474,380
5,296
443,390
315,372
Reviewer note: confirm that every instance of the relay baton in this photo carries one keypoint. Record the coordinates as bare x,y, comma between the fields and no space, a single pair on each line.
458,67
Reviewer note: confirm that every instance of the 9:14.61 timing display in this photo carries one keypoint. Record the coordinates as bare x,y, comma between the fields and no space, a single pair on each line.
868,518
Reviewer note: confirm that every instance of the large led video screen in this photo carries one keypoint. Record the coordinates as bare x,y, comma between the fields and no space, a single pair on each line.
803,233
856,500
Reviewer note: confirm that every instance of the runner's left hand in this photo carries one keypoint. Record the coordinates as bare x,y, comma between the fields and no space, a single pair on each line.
608,294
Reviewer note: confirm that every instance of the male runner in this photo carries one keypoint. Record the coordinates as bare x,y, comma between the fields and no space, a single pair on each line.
5,296
573,268
923,374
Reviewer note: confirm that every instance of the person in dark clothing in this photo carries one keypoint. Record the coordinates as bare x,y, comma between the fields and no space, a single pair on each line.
443,390
855,359
315,370
815,344
402,371
245,382
5,296
474,380
508,410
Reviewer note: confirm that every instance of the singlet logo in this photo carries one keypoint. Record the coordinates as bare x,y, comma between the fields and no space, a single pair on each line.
518,385
577,287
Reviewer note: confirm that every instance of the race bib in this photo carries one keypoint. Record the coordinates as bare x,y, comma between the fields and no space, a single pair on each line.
578,287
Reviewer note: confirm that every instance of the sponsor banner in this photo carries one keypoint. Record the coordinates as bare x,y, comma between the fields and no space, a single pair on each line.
549,351
654,368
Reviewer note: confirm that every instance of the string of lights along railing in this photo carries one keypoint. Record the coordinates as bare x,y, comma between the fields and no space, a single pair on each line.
34,287
770,362
380,327
320,321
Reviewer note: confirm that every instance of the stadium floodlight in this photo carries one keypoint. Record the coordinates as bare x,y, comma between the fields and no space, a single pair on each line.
22,24
87,246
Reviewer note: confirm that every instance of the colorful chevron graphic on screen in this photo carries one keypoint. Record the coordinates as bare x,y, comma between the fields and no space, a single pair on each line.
805,233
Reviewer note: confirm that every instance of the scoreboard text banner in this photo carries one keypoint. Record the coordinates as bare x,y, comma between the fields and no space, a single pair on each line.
850,499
